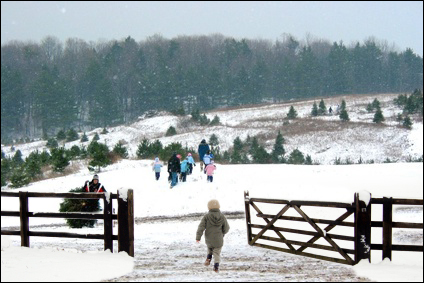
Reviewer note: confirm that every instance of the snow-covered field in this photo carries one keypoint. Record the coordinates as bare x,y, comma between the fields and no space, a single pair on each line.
166,220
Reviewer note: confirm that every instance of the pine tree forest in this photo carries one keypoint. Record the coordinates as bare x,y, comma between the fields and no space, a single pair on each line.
49,86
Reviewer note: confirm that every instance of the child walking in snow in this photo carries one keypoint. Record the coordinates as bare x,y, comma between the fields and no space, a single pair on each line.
190,163
215,226
209,169
157,165
184,169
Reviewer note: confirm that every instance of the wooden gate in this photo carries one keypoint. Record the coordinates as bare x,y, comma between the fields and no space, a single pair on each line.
361,235
361,213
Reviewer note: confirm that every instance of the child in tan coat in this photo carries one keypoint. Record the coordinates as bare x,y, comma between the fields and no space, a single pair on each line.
215,226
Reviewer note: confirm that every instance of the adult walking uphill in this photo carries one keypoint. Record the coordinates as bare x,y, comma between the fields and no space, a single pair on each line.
174,168
203,148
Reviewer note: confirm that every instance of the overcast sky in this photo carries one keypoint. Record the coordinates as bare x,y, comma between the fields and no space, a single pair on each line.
398,23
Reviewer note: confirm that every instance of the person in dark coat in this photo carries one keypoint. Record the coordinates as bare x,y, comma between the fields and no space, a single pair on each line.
94,186
202,149
174,168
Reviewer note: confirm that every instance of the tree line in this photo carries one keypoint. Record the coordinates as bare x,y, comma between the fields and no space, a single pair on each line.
49,85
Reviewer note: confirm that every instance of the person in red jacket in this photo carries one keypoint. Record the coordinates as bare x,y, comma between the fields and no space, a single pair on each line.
94,186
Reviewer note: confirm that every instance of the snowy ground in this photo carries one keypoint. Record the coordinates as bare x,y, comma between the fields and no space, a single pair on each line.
165,247
166,220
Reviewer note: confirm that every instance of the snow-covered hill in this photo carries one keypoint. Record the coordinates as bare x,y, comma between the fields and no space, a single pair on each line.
324,138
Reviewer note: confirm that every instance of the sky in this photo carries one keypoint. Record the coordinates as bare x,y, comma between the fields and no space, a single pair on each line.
400,24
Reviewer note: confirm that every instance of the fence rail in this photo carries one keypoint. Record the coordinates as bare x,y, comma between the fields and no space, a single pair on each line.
362,228
125,218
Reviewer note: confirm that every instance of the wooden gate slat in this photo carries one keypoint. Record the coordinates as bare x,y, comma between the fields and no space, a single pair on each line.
270,224
329,240
303,254
278,233
327,229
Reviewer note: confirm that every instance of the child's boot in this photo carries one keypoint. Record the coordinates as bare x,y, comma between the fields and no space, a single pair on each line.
208,260
216,267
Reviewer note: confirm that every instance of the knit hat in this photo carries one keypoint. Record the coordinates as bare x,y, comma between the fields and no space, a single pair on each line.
213,204
96,177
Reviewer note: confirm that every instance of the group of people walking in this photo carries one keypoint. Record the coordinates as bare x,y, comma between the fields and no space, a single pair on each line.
179,168
214,224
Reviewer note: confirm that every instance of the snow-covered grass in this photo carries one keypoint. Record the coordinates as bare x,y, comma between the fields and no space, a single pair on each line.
166,249
166,220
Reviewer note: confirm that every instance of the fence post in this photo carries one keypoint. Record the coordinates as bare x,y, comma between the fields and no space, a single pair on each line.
387,227
107,219
23,213
126,222
362,229
248,217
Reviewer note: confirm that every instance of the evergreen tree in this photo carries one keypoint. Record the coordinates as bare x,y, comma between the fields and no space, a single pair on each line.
378,116
166,153
308,160
238,144
74,152
296,157
314,111
71,135
96,137
204,120
215,121
120,150
344,116
19,177
292,113
17,158
261,156
99,154
213,140
237,155
171,131
61,135
33,165
375,104
322,110
143,149
254,146
407,123
195,115
278,151
52,143
155,148
343,105
59,159
84,138
80,205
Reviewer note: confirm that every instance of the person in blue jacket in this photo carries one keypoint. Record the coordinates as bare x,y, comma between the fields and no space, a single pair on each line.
203,148
157,165
190,163
184,169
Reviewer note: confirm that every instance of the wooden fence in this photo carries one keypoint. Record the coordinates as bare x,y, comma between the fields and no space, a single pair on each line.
361,236
125,218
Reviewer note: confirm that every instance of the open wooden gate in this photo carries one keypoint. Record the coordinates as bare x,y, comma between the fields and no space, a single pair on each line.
359,211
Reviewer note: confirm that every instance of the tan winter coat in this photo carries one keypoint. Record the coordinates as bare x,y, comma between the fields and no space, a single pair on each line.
216,227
